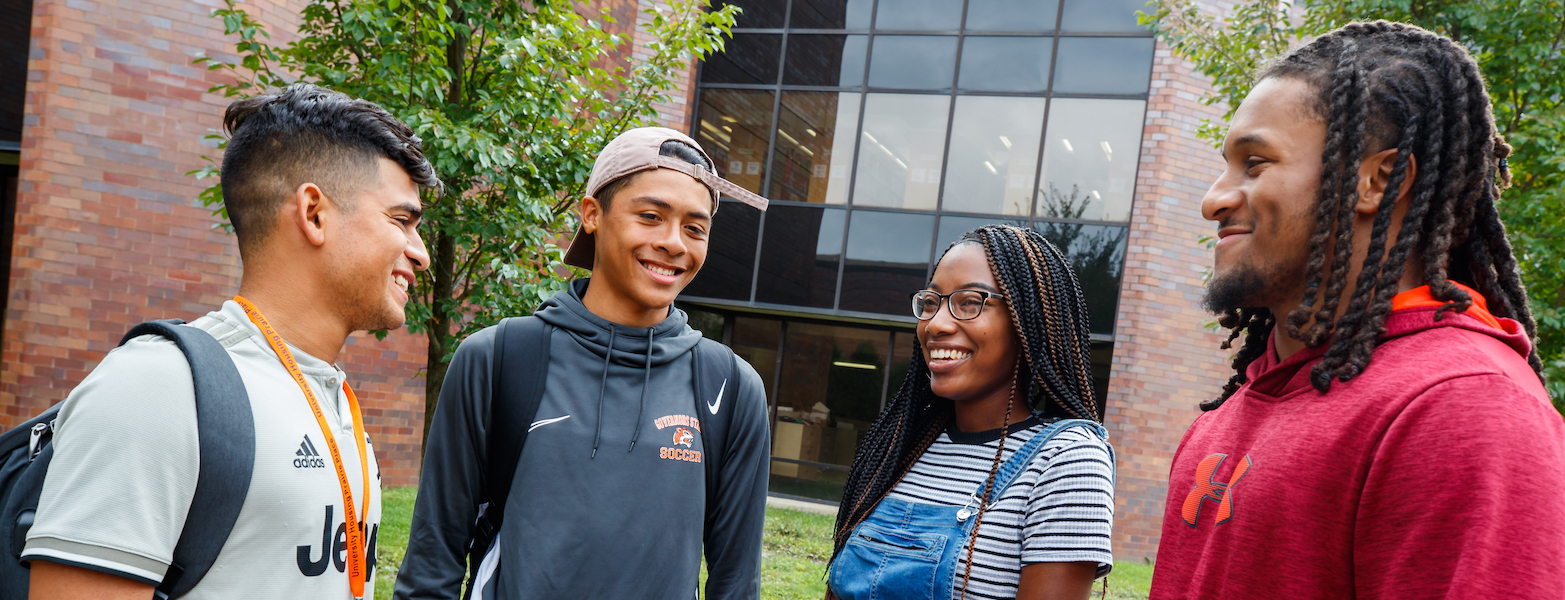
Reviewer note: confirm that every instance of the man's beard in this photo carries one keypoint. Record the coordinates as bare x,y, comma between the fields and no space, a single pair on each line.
1242,288
363,303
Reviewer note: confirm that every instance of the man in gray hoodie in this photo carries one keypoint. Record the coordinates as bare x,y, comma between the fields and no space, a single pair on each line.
610,496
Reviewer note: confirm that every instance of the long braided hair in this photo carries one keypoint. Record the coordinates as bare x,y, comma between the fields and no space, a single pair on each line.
1050,317
1388,85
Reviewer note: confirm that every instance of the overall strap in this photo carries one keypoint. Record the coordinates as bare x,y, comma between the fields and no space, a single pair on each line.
226,434
1013,468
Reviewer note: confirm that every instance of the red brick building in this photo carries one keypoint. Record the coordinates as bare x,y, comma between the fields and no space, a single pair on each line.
107,231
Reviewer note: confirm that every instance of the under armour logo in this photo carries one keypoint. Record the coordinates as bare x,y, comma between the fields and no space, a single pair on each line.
1207,488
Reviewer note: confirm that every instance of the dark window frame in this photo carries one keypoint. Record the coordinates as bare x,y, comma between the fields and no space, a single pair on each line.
836,314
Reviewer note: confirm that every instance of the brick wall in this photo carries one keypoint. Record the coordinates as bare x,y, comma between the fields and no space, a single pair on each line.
676,112
108,233
1165,362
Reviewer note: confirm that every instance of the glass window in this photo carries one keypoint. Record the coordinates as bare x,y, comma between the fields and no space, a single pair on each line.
1103,65
747,58
1102,15
1102,367
759,14
902,348
799,255
733,130
900,150
814,146
831,14
1097,254
1089,159
847,363
757,341
952,228
730,255
828,395
1012,15
994,155
888,254
832,60
913,62
709,323
1005,64
918,15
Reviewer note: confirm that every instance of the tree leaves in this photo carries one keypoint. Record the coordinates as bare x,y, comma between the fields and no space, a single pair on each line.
512,101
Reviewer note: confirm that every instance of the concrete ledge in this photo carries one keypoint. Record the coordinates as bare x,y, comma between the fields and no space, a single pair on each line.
819,508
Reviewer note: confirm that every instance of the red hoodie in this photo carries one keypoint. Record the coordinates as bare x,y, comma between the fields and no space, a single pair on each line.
1437,473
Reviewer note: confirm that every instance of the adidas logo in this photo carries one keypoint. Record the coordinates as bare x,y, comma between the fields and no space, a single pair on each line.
308,456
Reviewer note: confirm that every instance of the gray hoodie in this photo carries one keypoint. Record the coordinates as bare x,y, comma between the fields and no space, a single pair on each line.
604,503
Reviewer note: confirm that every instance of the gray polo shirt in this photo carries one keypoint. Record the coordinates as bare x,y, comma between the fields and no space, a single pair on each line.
127,455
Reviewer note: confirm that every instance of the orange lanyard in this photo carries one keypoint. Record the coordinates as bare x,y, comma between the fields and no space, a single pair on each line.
356,548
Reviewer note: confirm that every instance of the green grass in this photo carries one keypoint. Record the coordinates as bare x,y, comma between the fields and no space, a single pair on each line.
793,565
1129,581
396,512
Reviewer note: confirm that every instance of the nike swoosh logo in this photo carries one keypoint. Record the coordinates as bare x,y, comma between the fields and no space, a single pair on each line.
712,406
537,424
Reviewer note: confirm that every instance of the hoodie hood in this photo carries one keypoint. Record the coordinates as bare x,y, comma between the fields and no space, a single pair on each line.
632,346
1269,377
642,348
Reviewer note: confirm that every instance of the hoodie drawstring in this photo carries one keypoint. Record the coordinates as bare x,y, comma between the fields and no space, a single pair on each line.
646,379
602,385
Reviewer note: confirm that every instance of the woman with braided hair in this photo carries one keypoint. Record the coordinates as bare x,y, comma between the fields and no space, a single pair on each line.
1386,433
989,475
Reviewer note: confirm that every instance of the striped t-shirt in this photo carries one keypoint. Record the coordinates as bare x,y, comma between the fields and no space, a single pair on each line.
1061,509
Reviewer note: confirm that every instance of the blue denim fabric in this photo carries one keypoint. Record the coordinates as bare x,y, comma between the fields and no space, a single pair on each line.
908,551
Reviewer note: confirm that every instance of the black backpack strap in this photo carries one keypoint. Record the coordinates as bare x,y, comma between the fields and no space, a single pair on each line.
519,371
16,518
226,429
716,381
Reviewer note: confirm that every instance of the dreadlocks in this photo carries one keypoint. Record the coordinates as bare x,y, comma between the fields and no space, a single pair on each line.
1387,85
1050,317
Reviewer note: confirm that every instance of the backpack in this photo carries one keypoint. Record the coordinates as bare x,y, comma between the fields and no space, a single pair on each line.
520,370
227,443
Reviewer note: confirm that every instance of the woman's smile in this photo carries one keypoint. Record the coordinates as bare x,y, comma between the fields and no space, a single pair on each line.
944,360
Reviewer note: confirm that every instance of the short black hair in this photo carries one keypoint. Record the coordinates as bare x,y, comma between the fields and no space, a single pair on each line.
674,148
308,133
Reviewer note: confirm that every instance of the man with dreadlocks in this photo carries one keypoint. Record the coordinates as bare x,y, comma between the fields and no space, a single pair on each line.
989,475
1357,221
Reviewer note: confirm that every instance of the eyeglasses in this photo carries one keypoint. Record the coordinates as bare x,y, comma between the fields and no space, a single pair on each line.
964,305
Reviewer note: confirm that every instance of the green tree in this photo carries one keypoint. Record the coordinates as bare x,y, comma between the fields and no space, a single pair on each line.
1519,46
512,100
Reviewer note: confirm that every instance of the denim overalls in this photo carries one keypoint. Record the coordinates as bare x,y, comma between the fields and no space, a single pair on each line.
905,550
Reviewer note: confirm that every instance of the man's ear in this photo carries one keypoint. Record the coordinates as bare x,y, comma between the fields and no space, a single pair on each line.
591,214
1375,175
305,211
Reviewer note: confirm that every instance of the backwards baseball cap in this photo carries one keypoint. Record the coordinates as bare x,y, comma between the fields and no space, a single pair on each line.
635,151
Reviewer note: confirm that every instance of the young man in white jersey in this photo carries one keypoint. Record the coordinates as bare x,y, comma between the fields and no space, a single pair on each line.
323,193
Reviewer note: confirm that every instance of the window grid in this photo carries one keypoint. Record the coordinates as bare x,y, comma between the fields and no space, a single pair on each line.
858,146
864,90
774,385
